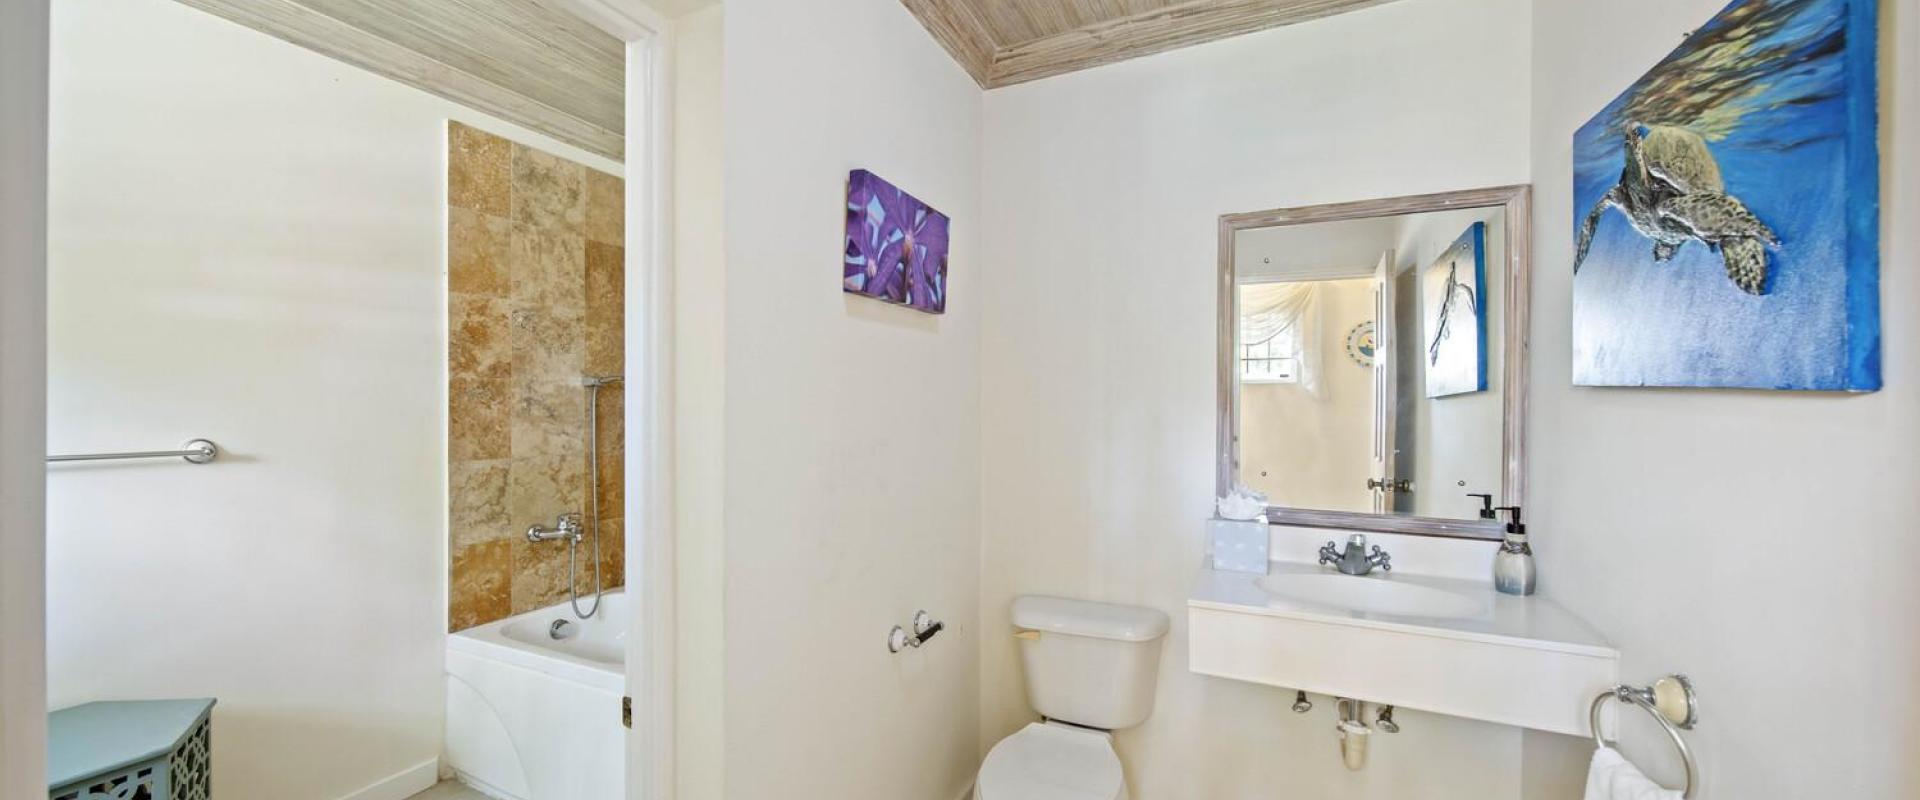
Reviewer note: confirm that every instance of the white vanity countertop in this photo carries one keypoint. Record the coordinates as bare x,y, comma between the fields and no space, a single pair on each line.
1529,622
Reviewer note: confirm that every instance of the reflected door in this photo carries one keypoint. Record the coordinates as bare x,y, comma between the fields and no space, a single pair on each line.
1381,483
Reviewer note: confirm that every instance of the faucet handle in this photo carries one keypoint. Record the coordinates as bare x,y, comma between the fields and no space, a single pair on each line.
1381,559
1328,555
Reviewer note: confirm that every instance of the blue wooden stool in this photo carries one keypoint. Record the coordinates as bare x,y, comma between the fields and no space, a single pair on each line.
131,750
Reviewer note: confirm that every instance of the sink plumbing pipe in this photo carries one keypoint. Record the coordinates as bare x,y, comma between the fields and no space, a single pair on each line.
1353,733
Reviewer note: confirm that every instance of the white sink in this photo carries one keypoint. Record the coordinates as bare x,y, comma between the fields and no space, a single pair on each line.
1418,641
1373,595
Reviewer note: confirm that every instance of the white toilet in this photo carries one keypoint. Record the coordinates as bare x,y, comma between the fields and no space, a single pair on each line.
1090,669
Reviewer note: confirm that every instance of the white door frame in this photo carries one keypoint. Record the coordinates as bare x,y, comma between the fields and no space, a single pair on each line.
24,52
23,396
649,386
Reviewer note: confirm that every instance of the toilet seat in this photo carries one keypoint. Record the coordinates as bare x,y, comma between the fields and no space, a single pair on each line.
1051,761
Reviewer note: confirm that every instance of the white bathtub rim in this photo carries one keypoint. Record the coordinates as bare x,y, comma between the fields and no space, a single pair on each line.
489,642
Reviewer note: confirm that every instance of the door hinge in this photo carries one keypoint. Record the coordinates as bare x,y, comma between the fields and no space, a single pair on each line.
626,712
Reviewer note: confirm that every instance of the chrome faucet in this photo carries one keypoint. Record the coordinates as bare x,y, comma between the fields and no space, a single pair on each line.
567,528
1356,560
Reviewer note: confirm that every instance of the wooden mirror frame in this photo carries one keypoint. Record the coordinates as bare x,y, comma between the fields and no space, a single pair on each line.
1517,202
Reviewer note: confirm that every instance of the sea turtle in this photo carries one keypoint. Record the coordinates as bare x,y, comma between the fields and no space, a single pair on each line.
1661,163
1671,191
1725,224
1680,158
1713,217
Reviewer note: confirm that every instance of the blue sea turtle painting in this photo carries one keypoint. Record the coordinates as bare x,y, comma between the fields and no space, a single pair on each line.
1726,209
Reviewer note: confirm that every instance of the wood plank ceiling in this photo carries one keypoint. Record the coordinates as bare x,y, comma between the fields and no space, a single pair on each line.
1004,42
529,62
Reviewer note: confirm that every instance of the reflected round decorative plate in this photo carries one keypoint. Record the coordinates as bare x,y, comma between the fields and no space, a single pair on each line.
1360,344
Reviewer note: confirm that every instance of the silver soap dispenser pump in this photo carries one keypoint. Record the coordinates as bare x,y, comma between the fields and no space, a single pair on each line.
1513,571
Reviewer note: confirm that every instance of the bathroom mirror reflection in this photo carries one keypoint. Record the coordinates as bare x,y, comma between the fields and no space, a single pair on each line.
1372,361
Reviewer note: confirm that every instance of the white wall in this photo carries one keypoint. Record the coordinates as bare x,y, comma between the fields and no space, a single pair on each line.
1098,345
1762,542
246,244
851,429
700,313
23,429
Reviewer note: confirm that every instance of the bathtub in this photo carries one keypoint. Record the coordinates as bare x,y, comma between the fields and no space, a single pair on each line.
530,717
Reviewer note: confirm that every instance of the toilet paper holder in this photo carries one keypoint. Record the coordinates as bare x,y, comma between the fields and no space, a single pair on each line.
925,627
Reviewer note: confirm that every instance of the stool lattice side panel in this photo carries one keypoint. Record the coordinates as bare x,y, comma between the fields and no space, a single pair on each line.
184,774
136,783
191,766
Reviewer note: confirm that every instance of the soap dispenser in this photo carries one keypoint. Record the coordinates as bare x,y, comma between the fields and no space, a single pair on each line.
1513,571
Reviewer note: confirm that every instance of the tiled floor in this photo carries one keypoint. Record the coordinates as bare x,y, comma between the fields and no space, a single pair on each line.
449,790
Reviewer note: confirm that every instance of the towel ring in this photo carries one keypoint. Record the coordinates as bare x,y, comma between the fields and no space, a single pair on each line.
1671,702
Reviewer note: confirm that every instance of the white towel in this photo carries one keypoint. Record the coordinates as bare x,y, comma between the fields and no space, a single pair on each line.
1612,777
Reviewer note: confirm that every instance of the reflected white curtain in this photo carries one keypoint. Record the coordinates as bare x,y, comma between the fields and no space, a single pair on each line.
1271,309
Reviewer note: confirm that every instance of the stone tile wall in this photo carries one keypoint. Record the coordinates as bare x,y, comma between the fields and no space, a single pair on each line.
534,303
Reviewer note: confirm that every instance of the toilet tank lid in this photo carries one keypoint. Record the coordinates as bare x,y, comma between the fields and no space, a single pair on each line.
1083,618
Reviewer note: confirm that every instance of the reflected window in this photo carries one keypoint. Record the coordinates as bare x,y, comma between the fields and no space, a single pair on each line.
1275,360
1277,326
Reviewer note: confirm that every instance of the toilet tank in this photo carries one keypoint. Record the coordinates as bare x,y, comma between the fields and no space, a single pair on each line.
1090,664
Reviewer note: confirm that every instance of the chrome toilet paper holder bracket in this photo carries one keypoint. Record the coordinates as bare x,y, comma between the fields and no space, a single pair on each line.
925,627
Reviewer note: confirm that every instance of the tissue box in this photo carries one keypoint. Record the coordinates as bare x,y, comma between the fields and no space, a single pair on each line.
1238,545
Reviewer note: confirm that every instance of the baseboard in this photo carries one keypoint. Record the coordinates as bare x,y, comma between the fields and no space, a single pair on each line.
484,788
403,784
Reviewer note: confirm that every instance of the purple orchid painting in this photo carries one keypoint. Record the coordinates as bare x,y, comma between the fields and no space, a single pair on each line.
896,245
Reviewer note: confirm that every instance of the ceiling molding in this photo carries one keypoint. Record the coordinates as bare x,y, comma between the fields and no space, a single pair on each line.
1113,35
958,28
519,60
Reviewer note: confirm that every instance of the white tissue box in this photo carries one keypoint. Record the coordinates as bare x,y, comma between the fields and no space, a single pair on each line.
1238,545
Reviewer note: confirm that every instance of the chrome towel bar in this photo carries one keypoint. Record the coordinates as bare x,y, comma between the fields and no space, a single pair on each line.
195,451
1671,702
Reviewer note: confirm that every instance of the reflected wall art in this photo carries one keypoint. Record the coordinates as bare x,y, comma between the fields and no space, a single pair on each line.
1726,209
1452,316
896,248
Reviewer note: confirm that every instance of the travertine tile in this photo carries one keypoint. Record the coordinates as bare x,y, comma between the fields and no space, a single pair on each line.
613,554
549,411
479,373
479,170
478,418
479,343
479,584
477,492
539,489
548,272
611,481
606,208
605,305
478,246
539,574
535,279
549,192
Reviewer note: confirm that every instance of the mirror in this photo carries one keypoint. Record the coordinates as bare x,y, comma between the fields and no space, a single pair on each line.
1372,361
